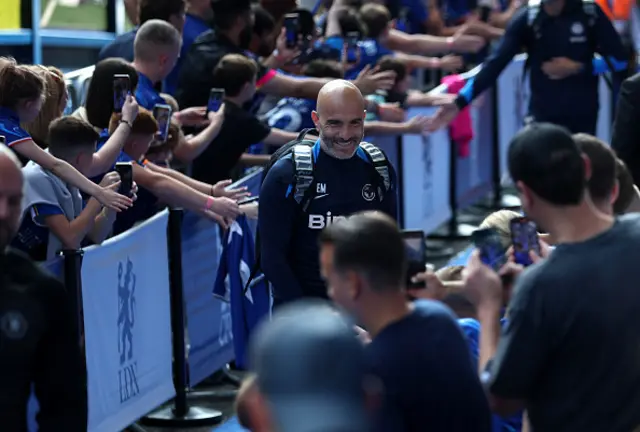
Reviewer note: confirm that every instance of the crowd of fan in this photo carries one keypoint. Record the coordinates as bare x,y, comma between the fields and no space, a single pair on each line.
551,344
186,49
567,357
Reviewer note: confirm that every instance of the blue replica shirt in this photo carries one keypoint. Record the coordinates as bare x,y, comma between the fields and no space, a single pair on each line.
146,94
412,16
193,27
430,383
567,35
471,329
145,206
33,235
370,52
292,114
12,131
289,248
120,47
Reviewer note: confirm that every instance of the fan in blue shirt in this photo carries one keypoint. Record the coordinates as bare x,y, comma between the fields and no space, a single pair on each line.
377,21
417,350
172,12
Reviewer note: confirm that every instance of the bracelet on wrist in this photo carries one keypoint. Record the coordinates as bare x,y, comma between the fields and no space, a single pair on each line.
127,122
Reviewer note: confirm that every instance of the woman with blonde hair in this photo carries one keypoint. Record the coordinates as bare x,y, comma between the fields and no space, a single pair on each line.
55,102
53,106
22,93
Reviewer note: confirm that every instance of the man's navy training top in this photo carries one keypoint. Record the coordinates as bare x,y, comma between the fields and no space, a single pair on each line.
289,236
566,35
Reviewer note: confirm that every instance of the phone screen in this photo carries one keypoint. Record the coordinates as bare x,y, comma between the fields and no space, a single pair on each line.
416,250
216,96
121,88
291,30
492,252
248,200
524,237
415,245
125,170
352,47
162,114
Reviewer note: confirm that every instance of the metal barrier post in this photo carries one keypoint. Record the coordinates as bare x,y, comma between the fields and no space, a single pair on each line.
181,414
72,268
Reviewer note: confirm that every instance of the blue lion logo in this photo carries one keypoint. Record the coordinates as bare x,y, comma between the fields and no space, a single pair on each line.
126,308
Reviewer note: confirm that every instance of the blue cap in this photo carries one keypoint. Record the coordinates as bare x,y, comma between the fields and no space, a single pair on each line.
310,368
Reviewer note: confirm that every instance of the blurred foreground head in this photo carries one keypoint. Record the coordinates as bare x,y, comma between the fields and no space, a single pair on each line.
310,372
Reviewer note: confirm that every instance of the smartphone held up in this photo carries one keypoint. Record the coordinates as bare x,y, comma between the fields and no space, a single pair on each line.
416,249
216,98
121,89
292,30
162,114
524,239
125,171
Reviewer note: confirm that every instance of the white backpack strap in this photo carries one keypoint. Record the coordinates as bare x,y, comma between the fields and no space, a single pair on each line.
379,161
533,8
590,9
303,164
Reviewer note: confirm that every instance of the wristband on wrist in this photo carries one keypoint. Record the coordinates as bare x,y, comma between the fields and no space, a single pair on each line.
450,42
209,203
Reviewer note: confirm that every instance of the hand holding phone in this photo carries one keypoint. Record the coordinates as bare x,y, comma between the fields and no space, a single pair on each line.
492,252
524,239
248,200
125,170
162,114
121,89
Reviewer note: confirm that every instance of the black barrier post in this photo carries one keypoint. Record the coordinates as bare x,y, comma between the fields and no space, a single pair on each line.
180,414
72,274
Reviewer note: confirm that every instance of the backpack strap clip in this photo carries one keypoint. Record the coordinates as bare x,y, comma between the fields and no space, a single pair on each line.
379,161
303,165
589,8
533,8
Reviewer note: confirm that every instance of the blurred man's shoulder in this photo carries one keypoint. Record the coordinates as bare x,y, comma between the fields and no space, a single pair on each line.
23,269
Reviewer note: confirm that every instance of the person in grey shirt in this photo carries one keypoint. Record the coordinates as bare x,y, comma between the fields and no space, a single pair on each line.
569,352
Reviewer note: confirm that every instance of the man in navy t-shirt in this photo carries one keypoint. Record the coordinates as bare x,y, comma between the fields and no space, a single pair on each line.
344,179
417,350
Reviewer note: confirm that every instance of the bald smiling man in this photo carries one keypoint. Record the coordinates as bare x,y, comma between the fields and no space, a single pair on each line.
345,181
37,337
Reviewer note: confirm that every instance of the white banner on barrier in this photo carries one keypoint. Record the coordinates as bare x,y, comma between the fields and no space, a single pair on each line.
425,166
127,325
513,106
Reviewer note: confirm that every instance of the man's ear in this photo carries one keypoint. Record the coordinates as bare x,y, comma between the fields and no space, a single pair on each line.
315,118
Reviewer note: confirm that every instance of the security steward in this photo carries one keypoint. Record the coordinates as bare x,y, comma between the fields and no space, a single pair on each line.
561,38
338,176
39,341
